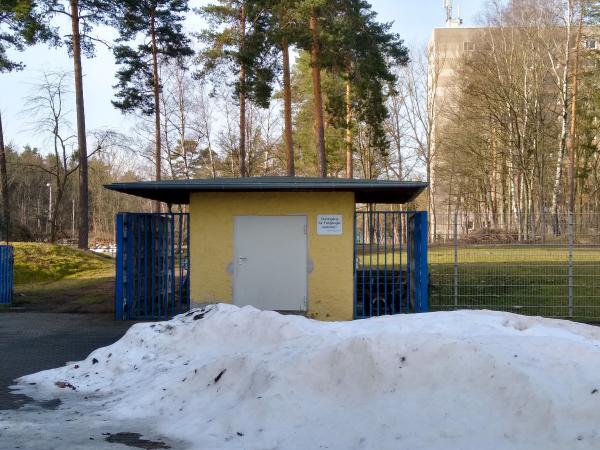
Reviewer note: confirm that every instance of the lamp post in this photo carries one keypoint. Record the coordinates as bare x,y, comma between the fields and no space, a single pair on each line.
49,202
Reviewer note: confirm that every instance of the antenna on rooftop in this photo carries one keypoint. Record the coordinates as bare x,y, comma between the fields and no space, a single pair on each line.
448,8
451,22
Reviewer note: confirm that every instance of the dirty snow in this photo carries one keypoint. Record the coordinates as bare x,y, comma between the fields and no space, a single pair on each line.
237,378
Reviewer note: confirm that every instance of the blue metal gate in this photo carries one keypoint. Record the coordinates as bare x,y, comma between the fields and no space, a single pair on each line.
390,268
152,279
6,274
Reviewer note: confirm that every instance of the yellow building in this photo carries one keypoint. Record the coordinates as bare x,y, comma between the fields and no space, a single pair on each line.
276,243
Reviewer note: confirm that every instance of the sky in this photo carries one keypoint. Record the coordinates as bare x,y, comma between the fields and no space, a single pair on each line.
414,20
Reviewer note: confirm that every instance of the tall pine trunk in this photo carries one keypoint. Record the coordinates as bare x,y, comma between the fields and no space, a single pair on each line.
4,188
317,94
349,152
242,82
242,155
287,108
83,222
156,86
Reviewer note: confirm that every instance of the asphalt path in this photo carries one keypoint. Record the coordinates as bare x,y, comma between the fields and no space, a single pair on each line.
30,342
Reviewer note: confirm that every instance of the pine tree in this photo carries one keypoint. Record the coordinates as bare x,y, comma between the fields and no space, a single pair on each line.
20,25
343,37
158,24
83,15
316,64
307,157
364,53
284,32
237,44
317,17
322,44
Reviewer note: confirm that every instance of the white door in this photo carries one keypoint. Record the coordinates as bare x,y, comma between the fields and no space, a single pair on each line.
270,259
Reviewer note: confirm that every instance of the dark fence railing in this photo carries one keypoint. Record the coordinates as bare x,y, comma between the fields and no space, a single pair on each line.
152,279
390,271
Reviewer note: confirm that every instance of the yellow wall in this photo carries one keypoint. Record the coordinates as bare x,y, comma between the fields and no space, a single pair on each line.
330,284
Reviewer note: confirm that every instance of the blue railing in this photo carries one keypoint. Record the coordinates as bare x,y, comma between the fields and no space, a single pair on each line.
417,232
390,269
152,267
6,274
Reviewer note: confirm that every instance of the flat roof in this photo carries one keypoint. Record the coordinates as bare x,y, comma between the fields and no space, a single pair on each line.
366,191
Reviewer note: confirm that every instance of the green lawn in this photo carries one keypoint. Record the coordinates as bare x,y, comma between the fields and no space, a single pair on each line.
523,279
62,279
42,263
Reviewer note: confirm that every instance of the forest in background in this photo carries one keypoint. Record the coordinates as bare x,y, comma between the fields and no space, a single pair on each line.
516,142
222,102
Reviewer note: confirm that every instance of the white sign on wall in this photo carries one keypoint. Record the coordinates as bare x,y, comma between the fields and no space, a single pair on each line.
329,224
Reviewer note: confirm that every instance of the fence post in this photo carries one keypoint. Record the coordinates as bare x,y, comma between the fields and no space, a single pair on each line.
119,270
354,268
187,243
6,274
455,279
420,258
11,272
570,231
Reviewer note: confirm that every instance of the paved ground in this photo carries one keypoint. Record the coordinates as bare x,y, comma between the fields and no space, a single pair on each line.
30,342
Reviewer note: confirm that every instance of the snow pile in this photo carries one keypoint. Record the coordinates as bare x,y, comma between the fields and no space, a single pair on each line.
225,377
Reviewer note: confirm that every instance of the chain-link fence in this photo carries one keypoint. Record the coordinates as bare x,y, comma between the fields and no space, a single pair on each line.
545,265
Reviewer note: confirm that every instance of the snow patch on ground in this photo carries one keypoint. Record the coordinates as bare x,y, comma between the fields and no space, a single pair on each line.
223,377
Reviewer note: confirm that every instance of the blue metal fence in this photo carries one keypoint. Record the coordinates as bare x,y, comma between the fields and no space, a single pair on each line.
6,274
390,268
152,279
417,243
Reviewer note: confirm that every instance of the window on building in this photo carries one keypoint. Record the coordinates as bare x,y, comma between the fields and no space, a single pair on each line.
590,43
